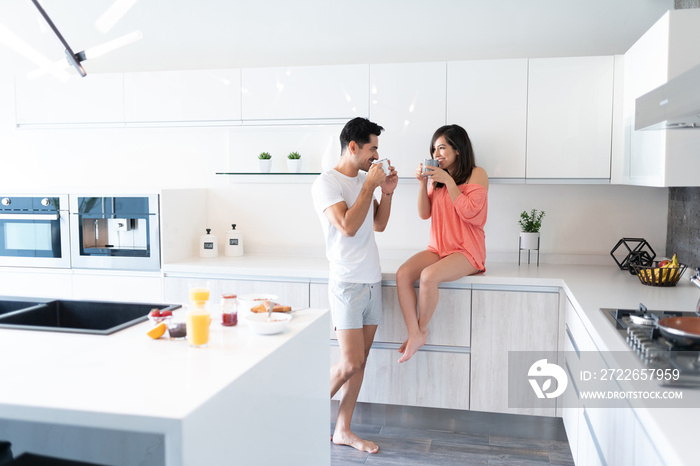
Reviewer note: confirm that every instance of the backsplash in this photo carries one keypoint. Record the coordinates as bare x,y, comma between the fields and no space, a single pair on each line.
683,234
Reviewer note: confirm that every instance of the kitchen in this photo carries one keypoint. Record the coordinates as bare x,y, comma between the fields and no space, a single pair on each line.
177,157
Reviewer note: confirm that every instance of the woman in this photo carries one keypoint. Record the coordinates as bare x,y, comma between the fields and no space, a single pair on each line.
456,203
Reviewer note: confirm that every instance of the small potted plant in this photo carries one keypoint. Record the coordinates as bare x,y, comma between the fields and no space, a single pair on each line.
294,162
265,162
530,224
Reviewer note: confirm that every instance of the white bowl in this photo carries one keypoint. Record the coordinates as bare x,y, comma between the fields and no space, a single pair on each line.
277,324
246,301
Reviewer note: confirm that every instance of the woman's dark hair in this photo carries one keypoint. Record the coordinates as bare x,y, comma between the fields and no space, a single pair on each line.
359,130
458,138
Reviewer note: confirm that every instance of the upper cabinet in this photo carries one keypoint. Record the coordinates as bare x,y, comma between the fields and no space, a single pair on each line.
660,157
308,92
488,98
97,98
408,100
569,126
196,95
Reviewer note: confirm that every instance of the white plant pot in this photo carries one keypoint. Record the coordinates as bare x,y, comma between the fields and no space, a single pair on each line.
293,165
265,165
529,240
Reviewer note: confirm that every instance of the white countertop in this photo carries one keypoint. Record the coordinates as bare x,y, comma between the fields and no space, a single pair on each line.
589,288
128,376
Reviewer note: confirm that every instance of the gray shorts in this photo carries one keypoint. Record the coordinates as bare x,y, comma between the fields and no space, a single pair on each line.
354,305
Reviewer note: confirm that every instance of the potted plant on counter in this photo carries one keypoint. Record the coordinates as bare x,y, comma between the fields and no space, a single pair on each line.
265,162
530,224
294,162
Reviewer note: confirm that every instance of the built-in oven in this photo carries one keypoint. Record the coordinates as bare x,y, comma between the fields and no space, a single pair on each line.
34,231
115,232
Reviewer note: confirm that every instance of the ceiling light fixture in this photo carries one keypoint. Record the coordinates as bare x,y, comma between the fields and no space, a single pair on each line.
13,41
73,58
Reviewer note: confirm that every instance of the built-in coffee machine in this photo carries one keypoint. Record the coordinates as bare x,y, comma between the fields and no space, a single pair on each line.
115,232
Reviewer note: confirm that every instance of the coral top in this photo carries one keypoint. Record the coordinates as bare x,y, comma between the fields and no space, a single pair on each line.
459,226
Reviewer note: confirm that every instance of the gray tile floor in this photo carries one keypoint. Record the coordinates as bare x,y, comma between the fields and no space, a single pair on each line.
423,436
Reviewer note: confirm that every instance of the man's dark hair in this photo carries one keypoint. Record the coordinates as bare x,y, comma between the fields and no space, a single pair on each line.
359,130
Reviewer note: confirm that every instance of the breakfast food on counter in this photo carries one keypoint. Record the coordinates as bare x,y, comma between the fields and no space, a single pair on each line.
265,306
178,330
157,331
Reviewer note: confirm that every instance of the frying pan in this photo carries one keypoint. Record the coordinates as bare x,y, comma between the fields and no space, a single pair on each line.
682,330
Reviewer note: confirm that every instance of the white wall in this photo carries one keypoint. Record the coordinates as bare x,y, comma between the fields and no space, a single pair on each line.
582,220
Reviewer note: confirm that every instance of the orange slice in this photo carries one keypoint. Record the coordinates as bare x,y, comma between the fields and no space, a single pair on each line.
157,331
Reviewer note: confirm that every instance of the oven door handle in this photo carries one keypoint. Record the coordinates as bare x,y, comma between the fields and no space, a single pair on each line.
53,216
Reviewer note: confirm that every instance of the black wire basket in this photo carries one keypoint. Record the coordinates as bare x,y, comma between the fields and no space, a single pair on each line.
659,276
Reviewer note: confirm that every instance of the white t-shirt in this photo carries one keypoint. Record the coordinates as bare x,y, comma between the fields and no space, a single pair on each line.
352,259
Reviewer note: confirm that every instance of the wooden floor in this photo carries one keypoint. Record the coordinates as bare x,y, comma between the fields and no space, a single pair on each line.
421,436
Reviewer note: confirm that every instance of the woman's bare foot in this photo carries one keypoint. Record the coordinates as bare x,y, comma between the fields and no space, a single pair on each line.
352,440
411,346
402,348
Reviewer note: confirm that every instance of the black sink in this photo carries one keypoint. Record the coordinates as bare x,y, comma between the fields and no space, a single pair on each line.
13,305
95,317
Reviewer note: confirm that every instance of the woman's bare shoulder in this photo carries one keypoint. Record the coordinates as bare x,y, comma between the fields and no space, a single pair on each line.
480,177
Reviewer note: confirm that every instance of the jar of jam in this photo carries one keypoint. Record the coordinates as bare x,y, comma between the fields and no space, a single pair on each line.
229,310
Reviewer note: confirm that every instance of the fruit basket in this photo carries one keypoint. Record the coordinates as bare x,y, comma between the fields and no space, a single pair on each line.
659,276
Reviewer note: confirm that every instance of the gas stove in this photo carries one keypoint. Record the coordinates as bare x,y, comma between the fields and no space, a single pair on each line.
638,328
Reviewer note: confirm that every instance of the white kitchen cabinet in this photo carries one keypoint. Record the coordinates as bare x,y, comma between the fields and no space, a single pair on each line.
96,98
290,293
183,96
503,322
660,157
429,379
36,283
408,100
305,92
488,98
569,117
135,287
450,325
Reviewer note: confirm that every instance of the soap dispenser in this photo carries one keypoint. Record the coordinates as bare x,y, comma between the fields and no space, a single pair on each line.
234,242
208,245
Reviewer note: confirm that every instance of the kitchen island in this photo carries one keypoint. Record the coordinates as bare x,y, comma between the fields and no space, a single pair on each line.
128,399
658,434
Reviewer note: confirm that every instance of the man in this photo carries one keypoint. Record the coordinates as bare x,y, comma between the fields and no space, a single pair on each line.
350,214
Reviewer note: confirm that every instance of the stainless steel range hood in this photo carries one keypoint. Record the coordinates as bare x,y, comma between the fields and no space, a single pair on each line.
675,105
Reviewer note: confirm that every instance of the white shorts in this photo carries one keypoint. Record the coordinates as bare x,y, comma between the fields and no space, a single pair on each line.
354,305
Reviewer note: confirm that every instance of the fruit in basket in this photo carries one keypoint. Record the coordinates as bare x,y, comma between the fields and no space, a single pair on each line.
664,263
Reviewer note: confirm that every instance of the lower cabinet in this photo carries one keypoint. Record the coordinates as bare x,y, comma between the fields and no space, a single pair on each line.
437,376
430,379
608,435
504,321
448,327
114,286
36,283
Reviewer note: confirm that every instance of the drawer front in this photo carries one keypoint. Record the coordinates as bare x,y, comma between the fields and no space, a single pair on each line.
450,325
430,379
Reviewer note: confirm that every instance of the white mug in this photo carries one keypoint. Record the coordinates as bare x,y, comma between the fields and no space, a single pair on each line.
385,165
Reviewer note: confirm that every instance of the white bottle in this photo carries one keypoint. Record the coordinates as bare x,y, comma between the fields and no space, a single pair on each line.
234,242
208,245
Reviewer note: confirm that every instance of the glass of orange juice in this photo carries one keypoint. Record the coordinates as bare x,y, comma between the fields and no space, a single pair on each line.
198,321
199,293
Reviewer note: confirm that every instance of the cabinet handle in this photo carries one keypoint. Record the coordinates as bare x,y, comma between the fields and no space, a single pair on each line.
573,341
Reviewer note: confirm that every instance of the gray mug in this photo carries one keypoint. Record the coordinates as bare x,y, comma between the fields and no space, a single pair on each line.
431,163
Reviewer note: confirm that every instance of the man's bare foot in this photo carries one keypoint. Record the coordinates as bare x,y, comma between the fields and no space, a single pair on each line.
411,346
352,440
